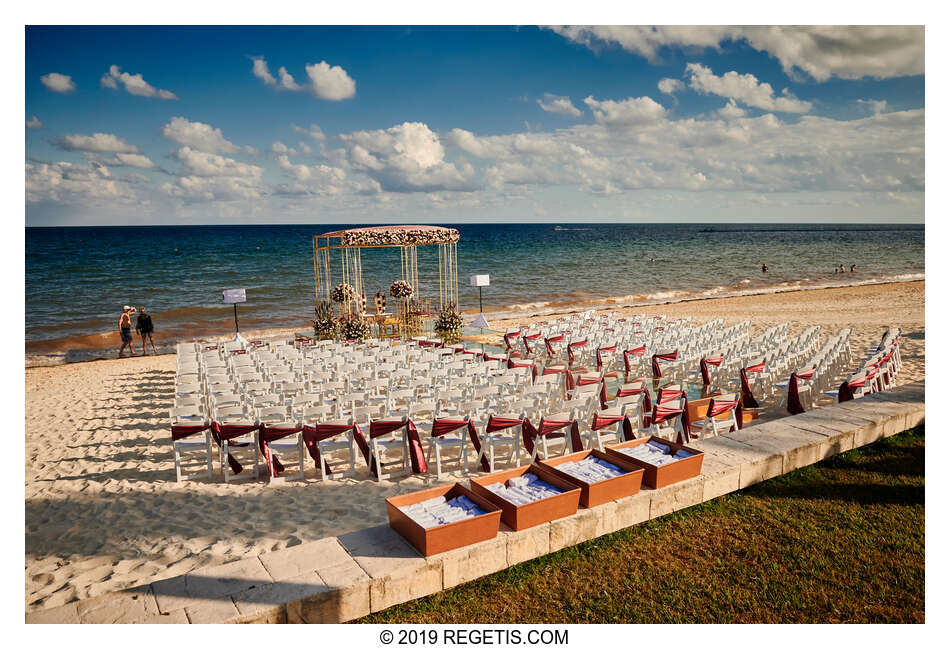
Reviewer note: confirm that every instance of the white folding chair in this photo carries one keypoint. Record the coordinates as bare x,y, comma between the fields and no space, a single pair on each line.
191,416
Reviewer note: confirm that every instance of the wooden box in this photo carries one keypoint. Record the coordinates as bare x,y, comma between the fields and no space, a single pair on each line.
660,476
598,493
451,535
519,517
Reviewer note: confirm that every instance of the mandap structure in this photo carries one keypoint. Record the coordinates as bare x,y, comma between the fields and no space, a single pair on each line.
339,277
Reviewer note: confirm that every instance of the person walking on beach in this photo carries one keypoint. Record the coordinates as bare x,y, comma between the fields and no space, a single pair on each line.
841,268
853,267
765,268
144,327
125,331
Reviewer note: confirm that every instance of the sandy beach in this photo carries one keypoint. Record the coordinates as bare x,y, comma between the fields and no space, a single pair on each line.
103,510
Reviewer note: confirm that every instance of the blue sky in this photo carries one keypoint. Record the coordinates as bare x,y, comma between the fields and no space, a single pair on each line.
397,124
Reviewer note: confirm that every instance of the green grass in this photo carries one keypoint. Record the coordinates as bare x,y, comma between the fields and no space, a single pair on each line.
839,541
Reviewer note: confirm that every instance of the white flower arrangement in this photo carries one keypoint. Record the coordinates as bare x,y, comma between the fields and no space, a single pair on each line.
342,292
401,289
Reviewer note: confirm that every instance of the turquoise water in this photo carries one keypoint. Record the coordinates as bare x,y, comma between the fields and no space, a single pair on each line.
78,279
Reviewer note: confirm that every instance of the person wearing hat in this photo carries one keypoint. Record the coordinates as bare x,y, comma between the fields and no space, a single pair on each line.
144,327
125,330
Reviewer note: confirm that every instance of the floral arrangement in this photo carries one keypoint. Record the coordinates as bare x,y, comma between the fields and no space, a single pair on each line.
398,236
324,324
342,293
449,320
401,289
353,328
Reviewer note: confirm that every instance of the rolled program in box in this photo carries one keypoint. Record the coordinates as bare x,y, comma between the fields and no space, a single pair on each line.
443,518
597,485
528,495
664,462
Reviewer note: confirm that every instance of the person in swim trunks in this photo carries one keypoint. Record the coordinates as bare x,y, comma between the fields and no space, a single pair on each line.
125,331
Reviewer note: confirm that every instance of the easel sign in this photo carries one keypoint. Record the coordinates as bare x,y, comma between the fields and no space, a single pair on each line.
234,296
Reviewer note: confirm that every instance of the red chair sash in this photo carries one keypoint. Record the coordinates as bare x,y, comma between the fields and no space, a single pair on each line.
665,413
534,368
627,353
532,338
553,339
490,357
181,431
237,352
221,432
748,399
670,356
718,406
600,352
494,424
569,380
549,428
416,456
270,434
514,335
602,421
442,427
590,380
794,401
846,391
704,367
647,401
571,347
312,435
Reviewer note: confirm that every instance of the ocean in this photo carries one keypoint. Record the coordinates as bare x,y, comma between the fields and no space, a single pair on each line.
78,278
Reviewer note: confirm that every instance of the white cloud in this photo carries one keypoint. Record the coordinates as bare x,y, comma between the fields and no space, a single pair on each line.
330,82
406,158
670,86
560,105
89,184
629,112
303,146
876,106
197,135
134,160
286,80
34,122
281,148
314,131
96,143
209,189
200,163
744,88
134,84
848,52
261,72
731,110
58,82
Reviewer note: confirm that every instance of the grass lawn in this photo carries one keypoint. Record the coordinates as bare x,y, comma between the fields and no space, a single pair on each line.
839,541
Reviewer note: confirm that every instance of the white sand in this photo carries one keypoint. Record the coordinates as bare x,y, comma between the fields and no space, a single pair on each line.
103,510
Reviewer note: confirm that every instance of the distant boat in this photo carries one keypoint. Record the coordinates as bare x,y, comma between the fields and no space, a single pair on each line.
558,228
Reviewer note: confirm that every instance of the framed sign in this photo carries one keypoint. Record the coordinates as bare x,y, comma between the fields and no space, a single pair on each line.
478,280
234,295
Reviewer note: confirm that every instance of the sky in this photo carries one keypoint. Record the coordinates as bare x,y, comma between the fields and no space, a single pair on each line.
198,125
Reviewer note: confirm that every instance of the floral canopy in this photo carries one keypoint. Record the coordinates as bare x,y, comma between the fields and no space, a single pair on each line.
405,237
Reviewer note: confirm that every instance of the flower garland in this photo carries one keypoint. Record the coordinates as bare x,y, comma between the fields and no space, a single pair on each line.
342,292
401,237
401,289
353,328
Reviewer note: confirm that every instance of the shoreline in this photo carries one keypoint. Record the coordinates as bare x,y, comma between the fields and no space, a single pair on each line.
505,315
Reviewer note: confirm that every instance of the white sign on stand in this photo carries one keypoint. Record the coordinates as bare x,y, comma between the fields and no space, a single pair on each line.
478,280
234,295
